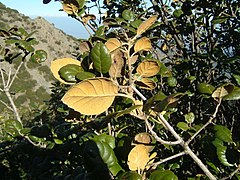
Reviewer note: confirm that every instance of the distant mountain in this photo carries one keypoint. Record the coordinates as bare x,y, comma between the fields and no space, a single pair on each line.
34,81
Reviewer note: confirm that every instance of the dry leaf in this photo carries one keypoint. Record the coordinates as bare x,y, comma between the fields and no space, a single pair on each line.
112,44
146,139
146,83
91,96
164,47
70,6
133,59
146,24
88,17
143,44
56,65
148,68
138,158
222,91
117,64
84,47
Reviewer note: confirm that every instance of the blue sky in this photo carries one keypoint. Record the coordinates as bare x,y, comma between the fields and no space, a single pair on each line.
35,7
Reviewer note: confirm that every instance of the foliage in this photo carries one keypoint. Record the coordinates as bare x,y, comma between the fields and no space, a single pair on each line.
152,94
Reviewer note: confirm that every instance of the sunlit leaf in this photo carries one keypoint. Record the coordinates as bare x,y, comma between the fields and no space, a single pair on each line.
130,175
84,75
222,91
101,58
112,44
70,6
164,71
183,126
237,78
128,14
234,95
146,25
223,133
219,20
205,88
110,140
56,65
91,96
138,158
143,44
172,81
39,56
88,17
146,83
133,59
189,117
136,23
146,139
117,64
148,68
163,175
84,47
13,127
177,13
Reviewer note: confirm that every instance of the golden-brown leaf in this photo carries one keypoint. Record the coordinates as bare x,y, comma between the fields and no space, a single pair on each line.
146,24
112,44
143,44
146,83
91,96
117,64
88,17
56,65
146,139
138,158
148,68
70,6
133,59
223,91
84,47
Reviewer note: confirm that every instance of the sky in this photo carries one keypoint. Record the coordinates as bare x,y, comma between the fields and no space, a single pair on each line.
50,11
35,7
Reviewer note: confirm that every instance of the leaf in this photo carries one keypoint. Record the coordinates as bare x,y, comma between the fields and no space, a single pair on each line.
39,56
163,175
219,20
13,127
70,6
84,47
164,71
148,68
101,58
69,72
108,157
183,126
138,158
234,95
84,75
222,91
110,140
160,96
136,23
112,44
223,133
91,96
205,88
88,17
145,139
172,81
81,3
146,25
237,78
177,13
128,14
189,117
117,64
130,175
146,83
143,44
133,59
56,65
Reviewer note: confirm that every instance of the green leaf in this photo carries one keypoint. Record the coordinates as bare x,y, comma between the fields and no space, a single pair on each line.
183,126
128,15
58,141
84,75
172,81
163,175
101,58
136,23
69,72
177,13
234,95
219,20
160,96
39,56
110,140
130,175
25,131
205,88
81,3
190,117
164,71
223,133
237,78
13,127
108,157
25,45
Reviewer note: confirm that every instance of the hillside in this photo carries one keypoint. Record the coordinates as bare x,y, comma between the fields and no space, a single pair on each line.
33,83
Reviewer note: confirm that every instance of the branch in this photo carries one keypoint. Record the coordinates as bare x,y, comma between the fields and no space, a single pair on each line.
232,174
15,74
205,125
5,104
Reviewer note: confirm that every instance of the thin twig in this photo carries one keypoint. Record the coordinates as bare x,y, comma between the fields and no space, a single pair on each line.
205,125
15,74
232,174
5,104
